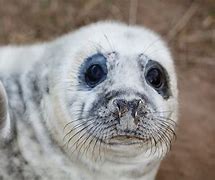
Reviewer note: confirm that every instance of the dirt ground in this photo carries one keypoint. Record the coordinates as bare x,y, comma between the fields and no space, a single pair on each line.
189,28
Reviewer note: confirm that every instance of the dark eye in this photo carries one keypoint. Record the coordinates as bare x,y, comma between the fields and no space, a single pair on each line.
93,71
155,77
94,74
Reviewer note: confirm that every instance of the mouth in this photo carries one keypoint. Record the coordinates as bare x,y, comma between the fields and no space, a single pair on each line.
126,140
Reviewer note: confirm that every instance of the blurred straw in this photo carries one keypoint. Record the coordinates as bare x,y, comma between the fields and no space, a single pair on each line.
209,61
115,10
88,7
199,36
133,11
183,21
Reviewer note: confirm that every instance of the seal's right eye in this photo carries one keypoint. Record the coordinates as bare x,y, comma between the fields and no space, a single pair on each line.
94,75
94,70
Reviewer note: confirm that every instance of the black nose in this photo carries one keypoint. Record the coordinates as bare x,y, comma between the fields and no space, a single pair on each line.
124,106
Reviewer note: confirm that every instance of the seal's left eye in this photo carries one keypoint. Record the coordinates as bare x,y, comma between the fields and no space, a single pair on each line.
155,77
94,74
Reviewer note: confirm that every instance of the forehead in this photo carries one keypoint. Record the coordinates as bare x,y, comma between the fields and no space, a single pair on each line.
125,40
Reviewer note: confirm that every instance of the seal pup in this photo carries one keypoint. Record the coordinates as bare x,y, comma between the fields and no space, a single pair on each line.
98,103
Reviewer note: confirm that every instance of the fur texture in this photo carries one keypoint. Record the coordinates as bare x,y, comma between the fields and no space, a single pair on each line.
47,132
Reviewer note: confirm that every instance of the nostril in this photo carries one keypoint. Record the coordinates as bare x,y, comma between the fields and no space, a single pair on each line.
134,105
121,105
140,102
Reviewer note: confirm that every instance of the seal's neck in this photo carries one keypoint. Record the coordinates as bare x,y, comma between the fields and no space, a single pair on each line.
144,170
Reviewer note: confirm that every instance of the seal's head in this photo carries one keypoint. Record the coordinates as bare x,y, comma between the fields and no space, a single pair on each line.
118,91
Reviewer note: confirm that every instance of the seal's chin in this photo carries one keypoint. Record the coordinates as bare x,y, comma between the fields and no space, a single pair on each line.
126,140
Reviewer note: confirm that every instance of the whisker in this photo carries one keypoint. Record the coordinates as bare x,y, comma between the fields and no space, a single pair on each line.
77,126
81,142
167,118
166,128
78,119
96,141
78,133
159,112
95,137
109,43
168,137
150,44
91,141
166,121
86,139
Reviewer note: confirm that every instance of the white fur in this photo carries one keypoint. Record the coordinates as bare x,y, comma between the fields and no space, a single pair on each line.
6,123
67,53
19,58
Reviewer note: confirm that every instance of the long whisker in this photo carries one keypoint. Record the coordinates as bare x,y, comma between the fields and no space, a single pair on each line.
77,145
95,136
90,132
166,122
78,119
91,141
78,132
77,126
161,112
150,44
167,133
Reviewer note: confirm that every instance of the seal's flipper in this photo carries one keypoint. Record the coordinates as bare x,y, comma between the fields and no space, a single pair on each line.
4,114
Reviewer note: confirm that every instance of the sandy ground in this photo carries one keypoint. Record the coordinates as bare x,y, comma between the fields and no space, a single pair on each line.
189,28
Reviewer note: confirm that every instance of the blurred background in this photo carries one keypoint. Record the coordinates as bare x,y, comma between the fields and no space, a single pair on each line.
188,27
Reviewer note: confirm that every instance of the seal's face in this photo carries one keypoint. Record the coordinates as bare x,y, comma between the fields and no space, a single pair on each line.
121,99
124,115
